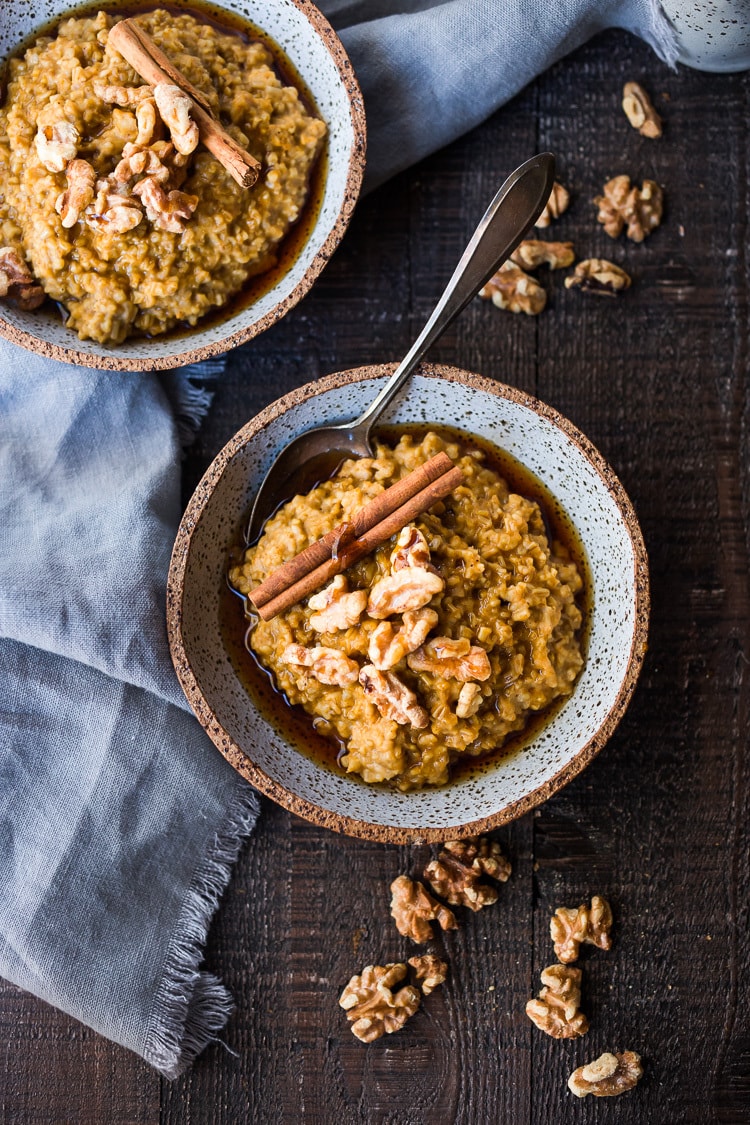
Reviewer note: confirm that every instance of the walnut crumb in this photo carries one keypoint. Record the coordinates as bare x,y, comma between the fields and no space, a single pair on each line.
456,873
625,206
556,1010
413,909
559,201
639,110
429,970
570,927
607,1076
512,289
373,1006
598,276
534,252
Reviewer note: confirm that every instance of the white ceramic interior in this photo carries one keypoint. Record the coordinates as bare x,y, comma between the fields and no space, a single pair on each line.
586,489
312,46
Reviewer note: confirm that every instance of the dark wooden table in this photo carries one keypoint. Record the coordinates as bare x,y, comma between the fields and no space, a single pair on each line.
659,823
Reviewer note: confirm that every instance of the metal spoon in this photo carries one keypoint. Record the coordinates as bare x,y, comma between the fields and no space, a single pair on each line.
518,203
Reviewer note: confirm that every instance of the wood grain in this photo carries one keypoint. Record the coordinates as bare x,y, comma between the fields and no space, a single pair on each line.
659,822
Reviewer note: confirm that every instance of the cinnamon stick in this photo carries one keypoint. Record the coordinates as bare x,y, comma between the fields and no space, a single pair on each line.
150,62
364,544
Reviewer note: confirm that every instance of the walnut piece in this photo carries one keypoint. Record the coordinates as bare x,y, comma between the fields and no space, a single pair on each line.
113,211
373,1006
640,111
17,282
57,145
456,873
391,643
512,289
410,588
533,252
556,1010
174,109
429,970
155,161
569,927
413,909
411,549
558,202
168,211
621,205
124,96
393,699
451,659
598,276
146,119
326,665
607,1076
72,202
336,607
469,700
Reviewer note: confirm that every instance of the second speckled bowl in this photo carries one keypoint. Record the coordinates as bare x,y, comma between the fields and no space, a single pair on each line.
580,481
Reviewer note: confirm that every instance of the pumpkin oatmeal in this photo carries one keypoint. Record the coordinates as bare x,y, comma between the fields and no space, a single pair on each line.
109,200
439,645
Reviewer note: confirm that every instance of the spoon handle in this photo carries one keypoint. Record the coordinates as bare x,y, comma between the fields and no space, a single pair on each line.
517,204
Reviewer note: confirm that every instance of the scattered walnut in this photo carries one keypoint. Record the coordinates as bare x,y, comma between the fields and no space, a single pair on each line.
372,1004
113,211
124,96
533,252
174,109
451,659
327,665
168,211
621,205
392,697
557,203
607,1076
410,588
413,909
429,970
411,549
145,116
390,643
556,1011
455,874
336,608
16,281
597,275
469,701
512,289
79,193
57,145
590,924
639,110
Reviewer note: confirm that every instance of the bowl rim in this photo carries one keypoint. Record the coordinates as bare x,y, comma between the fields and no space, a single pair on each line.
308,810
353,185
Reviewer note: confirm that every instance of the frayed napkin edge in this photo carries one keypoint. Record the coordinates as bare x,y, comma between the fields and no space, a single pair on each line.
191,1007
190,403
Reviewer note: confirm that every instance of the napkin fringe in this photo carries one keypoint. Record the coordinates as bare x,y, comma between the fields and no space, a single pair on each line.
192,1007
190,403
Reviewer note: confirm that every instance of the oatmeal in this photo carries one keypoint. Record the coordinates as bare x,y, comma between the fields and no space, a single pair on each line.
107,196
439,645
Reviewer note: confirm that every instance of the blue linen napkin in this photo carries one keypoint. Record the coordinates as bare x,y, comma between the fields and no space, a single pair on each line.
119,822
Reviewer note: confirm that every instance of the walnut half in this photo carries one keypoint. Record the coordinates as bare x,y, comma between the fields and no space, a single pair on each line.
571,926
429,970
413,909
558,202
72,202
639,111
607,1076
373,1006
533,252
621,205
456,873
512,289
336,607
598,276
393,699
556,1010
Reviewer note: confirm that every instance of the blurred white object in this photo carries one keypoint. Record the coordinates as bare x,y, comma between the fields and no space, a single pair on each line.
711,34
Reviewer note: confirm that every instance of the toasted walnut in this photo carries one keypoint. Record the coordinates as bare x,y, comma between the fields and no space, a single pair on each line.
597,275
411,549
16,281
557,203
569,928
556,1010
326,665
146,119
639,110
413,909
373,1006
174,109
533,252
512,289
410,588
57,145
621,206
336,608
168,211
79,193
456,873
469,701
393,698
112,211
429,970
390,643
607,1076
124,96
451,659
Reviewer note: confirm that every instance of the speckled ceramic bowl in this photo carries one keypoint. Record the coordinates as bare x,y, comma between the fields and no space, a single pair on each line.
586,489
315,51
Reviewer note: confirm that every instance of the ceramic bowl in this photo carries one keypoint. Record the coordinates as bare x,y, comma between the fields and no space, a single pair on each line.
316,53
581,483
